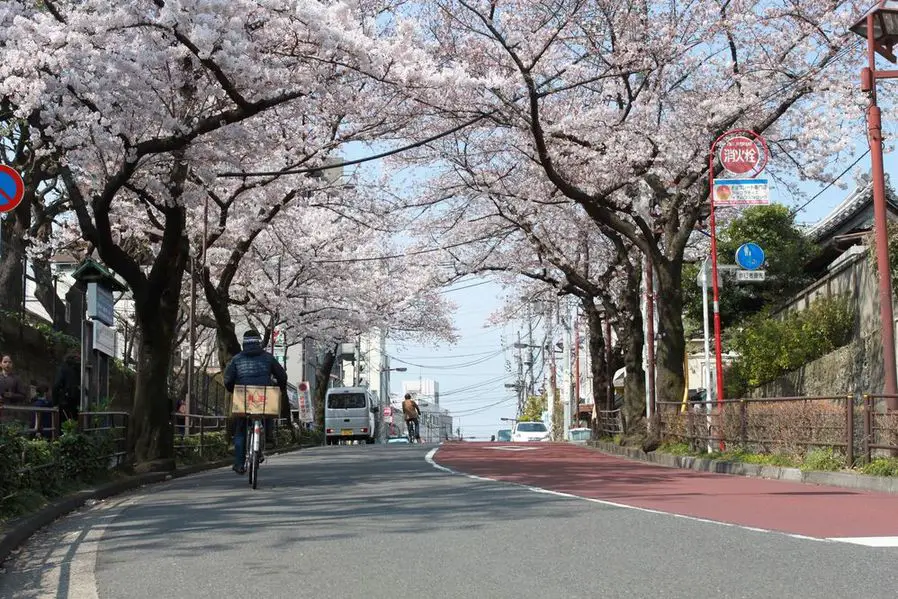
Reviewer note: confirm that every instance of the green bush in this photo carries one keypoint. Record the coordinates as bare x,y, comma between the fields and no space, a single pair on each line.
676,448
33,470
769,348
214,446
881,467
824,459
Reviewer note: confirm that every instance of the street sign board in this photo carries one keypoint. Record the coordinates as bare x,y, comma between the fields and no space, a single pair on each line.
751,276
706,272
750,256
740,155
12,188
741,192
305,402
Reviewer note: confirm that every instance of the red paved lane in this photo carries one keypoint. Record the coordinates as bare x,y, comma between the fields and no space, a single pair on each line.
796,508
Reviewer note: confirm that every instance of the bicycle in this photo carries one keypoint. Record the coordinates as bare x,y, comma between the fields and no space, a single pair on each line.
255,445
254,403
412,427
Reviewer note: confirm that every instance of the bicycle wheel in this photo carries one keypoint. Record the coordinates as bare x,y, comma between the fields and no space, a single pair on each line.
254,470
250,457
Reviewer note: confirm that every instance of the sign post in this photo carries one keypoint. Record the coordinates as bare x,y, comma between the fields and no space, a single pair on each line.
742,153
12,188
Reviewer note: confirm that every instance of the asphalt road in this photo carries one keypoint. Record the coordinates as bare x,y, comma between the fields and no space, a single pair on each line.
382,522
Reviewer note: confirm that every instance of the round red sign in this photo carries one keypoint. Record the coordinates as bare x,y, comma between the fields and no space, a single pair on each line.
740,155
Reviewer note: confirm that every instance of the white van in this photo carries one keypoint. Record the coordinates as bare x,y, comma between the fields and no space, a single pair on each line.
350,414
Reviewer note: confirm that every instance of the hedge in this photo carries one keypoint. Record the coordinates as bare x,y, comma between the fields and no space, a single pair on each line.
769,347
34,470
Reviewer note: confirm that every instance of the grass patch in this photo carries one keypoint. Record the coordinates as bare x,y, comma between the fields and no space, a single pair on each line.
676,449
881,467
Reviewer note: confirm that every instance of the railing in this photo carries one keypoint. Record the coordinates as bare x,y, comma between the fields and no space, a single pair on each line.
765,425
190,433
609,423
115,424
34,420
880,426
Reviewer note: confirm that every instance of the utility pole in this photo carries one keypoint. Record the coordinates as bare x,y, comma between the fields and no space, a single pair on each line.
521,388
576,406
532,385
649,340
566,378
552,391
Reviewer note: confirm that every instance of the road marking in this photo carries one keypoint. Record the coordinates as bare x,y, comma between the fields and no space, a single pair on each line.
868,541
430,460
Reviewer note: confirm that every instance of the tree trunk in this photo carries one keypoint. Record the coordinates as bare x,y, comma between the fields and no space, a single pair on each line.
226,340
633,338
151,435
157,305
598,364
322,379
45,292
670,374
13,231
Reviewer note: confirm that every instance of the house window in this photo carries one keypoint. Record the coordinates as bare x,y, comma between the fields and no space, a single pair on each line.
68,312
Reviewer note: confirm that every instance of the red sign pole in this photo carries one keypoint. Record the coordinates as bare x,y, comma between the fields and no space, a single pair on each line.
738,163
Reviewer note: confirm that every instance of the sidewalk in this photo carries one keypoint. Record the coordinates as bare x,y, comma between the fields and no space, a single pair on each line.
821,512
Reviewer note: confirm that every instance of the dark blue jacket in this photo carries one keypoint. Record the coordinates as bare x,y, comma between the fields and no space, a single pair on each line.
254,366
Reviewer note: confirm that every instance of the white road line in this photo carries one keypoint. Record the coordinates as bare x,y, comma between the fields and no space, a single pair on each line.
868,541
430,460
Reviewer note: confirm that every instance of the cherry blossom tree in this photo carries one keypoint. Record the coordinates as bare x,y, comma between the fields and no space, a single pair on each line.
141,104
616,105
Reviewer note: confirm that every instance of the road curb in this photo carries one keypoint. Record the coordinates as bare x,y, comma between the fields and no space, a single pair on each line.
16,532
847,480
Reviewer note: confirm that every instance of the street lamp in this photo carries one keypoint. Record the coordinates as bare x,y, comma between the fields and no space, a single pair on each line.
880,28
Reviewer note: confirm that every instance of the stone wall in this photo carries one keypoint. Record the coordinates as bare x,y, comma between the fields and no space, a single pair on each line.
37,357
854,368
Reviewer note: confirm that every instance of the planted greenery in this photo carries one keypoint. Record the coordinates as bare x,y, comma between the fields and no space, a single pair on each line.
770,347
34,470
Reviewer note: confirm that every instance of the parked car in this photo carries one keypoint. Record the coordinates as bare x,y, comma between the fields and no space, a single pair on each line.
504,435
529,431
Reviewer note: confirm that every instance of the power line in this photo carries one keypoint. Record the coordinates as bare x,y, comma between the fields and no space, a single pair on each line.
830,184
451,366
388,153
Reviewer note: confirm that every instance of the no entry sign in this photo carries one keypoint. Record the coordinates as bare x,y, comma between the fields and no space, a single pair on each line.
12,188
741,155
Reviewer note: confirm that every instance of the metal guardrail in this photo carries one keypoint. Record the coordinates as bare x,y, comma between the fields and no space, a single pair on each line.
113,423
37,421
609,423
764,424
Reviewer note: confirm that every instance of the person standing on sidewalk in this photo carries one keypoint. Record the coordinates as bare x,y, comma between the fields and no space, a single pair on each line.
12,390
66,394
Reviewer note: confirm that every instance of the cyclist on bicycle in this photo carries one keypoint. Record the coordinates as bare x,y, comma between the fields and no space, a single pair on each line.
252,366
412,412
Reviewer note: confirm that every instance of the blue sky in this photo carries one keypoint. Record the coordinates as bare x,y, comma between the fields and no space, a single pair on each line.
472,373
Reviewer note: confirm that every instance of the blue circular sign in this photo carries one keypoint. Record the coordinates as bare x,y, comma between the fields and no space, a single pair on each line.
750,256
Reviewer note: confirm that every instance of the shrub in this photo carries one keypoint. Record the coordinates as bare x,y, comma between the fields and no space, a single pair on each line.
825,459
769,348
32,470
